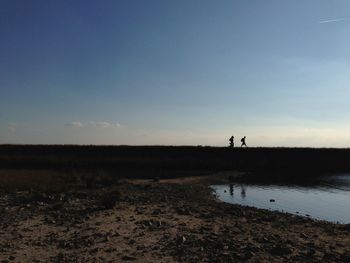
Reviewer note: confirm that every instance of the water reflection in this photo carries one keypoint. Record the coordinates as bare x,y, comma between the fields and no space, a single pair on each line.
243,193
328,199
231,190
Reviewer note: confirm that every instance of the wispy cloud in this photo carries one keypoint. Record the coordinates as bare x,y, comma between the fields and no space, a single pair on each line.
98,124
75,124
104,124
333,20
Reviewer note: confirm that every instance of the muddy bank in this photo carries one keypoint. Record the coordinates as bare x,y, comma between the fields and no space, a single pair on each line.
174,220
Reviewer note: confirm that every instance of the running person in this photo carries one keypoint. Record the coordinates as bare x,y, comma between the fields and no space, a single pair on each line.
231,141
243,142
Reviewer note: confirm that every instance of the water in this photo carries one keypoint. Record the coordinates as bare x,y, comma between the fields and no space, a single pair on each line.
328,199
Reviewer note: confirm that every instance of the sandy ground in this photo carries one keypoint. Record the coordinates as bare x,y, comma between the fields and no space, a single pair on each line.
175,220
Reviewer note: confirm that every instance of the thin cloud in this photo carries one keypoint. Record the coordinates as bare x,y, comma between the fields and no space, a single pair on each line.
105,124
333,20
75,124
98,124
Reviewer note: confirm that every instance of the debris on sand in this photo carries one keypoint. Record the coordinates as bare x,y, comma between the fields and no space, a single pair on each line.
142,221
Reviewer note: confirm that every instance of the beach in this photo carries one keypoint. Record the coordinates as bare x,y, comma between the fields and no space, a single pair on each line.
157,220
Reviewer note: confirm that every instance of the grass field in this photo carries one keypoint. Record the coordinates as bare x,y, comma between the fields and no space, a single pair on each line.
163,160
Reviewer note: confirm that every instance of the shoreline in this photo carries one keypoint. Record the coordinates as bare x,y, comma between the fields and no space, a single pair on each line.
160,220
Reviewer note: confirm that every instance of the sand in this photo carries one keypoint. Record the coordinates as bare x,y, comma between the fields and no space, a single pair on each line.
174,220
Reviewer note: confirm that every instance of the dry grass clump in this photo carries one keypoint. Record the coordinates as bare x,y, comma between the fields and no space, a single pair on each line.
110,198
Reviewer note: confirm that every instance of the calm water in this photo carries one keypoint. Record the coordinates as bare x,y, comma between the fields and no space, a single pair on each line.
328,199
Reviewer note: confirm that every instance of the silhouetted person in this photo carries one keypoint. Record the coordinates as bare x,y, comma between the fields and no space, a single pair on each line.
243,142
231,141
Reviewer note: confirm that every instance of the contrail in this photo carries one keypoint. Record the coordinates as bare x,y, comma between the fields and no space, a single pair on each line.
333,20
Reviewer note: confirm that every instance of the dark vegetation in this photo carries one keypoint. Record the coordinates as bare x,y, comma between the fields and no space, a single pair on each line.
165,161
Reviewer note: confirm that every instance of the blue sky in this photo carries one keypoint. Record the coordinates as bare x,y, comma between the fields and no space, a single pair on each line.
175,72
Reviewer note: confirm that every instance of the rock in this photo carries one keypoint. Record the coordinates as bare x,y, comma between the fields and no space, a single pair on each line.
156,212
126,258
184,211
310,252
93,251
140,247
248,255
280,250
180,239
303,235
155,247
272,200
264,240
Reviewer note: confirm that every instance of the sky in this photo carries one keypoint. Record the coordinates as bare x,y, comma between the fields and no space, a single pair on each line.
184,72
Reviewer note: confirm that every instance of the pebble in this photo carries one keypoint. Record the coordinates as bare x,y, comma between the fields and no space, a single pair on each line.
128,258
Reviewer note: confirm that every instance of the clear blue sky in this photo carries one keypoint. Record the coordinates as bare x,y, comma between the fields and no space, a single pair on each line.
181,72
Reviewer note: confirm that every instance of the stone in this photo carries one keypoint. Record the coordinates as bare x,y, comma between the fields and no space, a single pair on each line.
127,258
280,250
